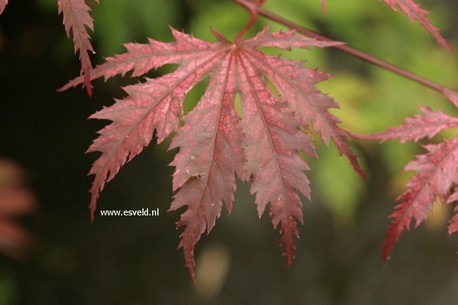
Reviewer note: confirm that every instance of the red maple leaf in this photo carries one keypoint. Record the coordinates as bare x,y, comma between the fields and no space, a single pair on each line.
414,12
260,145
76,18
436,172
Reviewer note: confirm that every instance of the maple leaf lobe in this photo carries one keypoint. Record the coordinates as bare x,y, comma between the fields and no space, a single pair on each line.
428,124
76,19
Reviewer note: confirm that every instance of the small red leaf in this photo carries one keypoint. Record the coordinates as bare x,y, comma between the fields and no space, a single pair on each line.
428,124
76,18
436,171
436,174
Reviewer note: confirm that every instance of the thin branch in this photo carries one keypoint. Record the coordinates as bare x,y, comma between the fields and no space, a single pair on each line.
252,9
346,49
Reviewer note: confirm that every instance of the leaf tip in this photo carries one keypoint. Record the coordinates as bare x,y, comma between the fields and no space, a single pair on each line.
220,37
356,166
92,207
392,236
190,262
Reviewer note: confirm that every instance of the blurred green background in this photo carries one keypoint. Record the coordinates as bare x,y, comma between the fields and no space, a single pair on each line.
134,261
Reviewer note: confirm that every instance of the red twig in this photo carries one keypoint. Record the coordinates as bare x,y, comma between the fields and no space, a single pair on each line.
252,7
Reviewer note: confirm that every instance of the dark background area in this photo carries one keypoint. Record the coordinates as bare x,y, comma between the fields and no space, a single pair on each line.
135,261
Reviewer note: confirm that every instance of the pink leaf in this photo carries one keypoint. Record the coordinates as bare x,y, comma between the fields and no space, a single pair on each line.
436,174
3,4
76,18
428,124
261,144
414,12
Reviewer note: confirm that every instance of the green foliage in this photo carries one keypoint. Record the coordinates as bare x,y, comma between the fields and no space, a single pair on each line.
120,21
